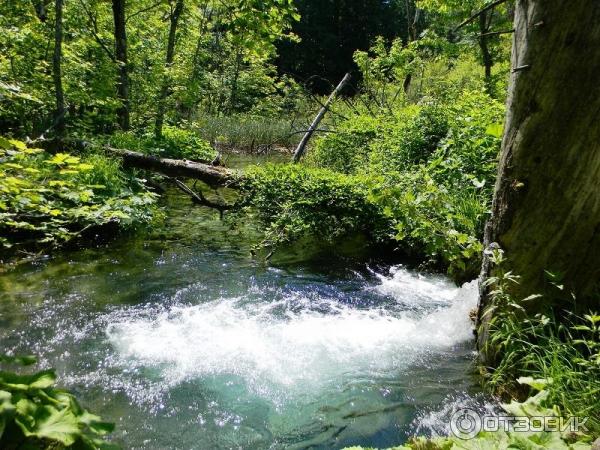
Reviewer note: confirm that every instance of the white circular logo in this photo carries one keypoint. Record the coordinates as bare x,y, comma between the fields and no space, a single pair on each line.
465,424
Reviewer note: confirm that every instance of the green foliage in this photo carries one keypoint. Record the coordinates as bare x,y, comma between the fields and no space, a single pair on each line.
177,143
346,149
54,198
430,170
556,345
246,132
35,414
294,201
431,220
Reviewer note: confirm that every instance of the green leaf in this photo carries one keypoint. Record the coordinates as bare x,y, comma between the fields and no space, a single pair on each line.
47,422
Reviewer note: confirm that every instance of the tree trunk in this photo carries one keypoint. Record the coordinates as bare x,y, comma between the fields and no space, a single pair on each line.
412,36
211,175
484,27
40,9
315,124
164,91
546,209
118,7
59,118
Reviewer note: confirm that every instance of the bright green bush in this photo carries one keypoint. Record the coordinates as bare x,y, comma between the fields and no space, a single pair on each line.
346,149
177,143
442,225
468,156
427,170
424,218
51,199
408,138
34,414
294,201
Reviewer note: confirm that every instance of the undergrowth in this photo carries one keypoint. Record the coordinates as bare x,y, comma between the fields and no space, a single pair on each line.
48,200
176,143
420,180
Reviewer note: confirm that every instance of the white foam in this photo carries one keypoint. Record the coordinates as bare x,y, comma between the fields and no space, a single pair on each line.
293,343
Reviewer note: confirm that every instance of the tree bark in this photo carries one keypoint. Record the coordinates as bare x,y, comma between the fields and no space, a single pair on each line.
546,208
118,7
59,118
211,175
164,91
413,35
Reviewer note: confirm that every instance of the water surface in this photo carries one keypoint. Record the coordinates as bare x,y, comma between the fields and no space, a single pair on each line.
186,342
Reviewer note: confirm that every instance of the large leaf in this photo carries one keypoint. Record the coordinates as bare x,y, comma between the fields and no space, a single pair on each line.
7,410
17,382
47,422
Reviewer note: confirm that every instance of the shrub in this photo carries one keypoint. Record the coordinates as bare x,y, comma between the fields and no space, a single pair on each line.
54,198
408,138
424,218
177,143
346,149
294,201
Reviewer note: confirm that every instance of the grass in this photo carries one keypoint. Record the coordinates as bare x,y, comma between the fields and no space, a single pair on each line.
558,346
248,133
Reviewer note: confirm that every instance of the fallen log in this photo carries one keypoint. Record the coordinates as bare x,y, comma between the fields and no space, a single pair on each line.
212,175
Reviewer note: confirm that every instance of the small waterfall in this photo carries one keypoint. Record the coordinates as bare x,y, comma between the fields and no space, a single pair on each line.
299,344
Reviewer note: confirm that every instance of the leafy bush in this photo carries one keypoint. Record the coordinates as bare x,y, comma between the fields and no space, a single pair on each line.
177,143
426,219
294,201
427,171
443,225
34,414
408,139
55,198
346,149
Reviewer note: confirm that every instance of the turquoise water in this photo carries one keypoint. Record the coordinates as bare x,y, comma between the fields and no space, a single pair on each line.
186,342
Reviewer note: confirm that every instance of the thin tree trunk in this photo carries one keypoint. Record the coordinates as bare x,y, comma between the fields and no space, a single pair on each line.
488,62
546,209
413,35
315,124
164,91
118,7
59,118
40,9
234,83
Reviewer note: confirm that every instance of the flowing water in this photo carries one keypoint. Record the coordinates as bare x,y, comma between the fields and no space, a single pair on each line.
186,342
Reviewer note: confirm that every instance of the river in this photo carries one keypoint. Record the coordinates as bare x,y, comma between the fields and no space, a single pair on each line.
186,342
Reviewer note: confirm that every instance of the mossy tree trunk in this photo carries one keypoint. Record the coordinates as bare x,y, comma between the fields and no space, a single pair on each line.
546,210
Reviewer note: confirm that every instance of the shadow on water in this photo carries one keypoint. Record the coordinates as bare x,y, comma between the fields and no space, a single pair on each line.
187,342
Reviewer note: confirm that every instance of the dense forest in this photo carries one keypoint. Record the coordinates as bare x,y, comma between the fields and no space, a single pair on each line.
347,166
